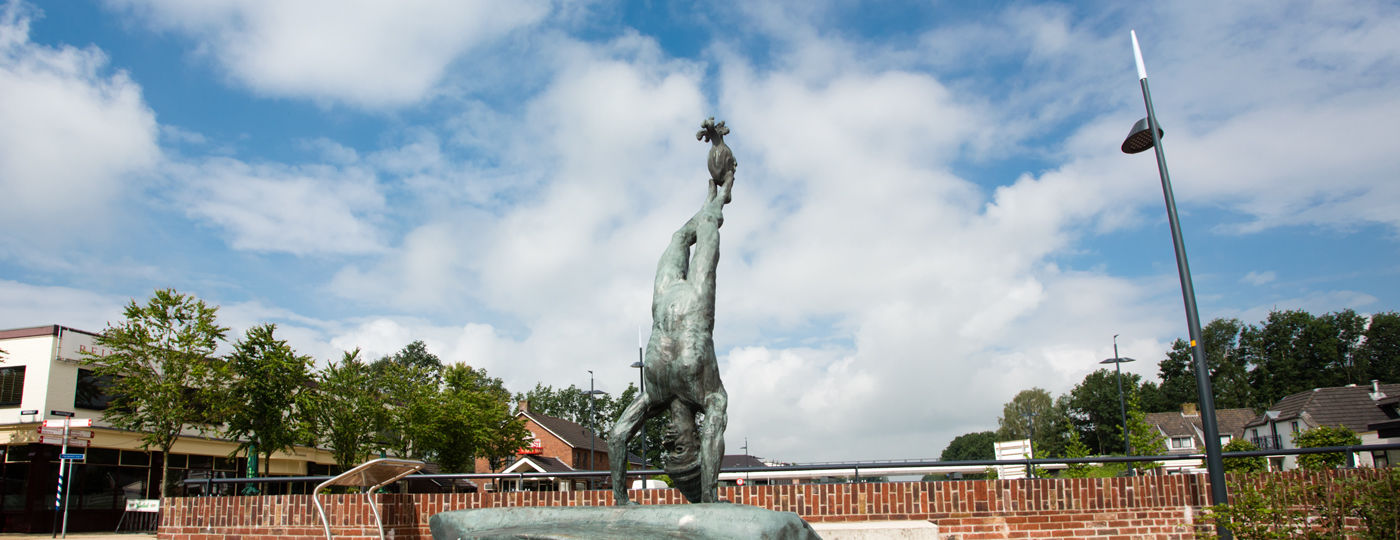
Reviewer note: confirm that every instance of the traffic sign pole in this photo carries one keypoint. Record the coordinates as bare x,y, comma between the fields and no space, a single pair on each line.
58,499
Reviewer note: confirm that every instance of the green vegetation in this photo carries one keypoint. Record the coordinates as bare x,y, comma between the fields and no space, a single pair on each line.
165,378
1243,464
1277,509
1322,437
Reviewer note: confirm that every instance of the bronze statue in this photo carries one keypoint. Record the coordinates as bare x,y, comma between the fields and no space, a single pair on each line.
681,372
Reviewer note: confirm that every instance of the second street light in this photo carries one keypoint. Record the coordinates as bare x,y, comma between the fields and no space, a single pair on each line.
592,426
1117,362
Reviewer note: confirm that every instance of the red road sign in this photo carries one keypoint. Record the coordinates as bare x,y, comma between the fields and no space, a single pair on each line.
58,441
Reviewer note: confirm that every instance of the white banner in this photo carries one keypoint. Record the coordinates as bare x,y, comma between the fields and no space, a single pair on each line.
143,505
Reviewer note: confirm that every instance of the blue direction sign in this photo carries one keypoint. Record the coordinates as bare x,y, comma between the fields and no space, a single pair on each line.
70,456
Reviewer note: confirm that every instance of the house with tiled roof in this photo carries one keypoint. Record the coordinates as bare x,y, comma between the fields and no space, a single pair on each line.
1353,407
1183,432
555,445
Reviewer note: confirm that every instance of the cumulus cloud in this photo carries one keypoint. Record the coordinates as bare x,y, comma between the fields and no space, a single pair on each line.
364,53
301,210
76,137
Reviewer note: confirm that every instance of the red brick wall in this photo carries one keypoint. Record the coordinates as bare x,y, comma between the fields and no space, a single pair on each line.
1151,506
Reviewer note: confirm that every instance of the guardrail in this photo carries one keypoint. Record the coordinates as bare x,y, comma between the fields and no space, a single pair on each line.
879,468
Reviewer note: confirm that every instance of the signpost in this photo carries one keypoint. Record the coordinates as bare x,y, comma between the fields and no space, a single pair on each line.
60,432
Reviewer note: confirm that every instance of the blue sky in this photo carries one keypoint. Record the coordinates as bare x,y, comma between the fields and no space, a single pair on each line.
931,211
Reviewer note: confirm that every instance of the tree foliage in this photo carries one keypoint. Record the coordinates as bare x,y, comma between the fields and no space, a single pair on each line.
1322,437
979,445
1229,370
161,367
1243,464
1096,412
1033,414
264,393
1143,439
348,412
475,421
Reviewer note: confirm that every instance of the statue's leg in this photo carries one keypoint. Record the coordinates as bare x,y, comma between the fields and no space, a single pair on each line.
712,443
631,421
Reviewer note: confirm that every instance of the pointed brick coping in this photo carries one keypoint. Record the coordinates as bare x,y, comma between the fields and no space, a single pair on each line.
1146,506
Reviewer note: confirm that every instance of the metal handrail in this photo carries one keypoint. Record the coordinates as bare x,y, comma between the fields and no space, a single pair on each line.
909,464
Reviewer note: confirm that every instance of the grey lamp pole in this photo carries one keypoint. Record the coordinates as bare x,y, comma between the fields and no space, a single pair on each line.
592,426
642,382
1138,141
1117,362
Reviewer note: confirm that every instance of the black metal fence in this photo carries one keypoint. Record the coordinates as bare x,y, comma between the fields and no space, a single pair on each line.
449,483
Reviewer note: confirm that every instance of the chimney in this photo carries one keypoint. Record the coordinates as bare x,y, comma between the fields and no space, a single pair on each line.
1188,409
1376,394
524,405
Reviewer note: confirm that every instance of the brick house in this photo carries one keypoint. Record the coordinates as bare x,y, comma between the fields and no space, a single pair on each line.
1184,433
555,445
1353,407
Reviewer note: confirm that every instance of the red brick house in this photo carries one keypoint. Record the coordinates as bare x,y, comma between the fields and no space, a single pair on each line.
555,445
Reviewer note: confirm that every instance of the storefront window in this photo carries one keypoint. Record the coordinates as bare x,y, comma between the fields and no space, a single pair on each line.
11,386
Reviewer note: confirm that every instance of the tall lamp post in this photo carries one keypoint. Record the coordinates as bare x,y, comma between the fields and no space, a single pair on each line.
1117,362
642,385
1147,133
592,426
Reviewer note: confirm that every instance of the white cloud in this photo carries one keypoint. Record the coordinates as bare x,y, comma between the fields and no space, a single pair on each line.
1259,278
75,139
279,208
362,52
28,305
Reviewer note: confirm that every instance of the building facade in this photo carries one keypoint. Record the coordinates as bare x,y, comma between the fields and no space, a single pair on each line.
42,376
1353,407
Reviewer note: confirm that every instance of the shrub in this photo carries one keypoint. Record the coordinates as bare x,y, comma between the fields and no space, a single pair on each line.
1322,437
1244,464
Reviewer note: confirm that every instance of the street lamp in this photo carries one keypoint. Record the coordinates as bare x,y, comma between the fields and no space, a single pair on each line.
1135,143
1117,362
592,426
642,382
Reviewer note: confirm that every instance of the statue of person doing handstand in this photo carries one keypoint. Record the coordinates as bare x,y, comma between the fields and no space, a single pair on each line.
681,372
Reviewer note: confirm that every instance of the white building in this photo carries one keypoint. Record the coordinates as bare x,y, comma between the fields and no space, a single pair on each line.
42,375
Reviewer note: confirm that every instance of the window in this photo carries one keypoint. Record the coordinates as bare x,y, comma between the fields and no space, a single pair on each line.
1256,433
11,386
1295,426
93,391
1224,440
1182,442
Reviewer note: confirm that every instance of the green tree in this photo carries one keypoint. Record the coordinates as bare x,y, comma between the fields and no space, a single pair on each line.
1243,464
416,357
1075,448
266,379
411,396
572,404
1295,351
1322,437
1143,439
1095,409
161,367
347,409
1032,414
1380,352
979,445
475,420
1229,370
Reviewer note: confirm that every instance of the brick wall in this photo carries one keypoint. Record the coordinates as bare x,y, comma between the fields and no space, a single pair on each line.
1149,506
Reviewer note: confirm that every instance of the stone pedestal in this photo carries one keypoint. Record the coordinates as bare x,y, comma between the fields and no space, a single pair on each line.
688,521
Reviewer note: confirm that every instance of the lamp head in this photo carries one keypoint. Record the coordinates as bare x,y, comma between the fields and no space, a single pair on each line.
1119,360
637,364
1140,138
